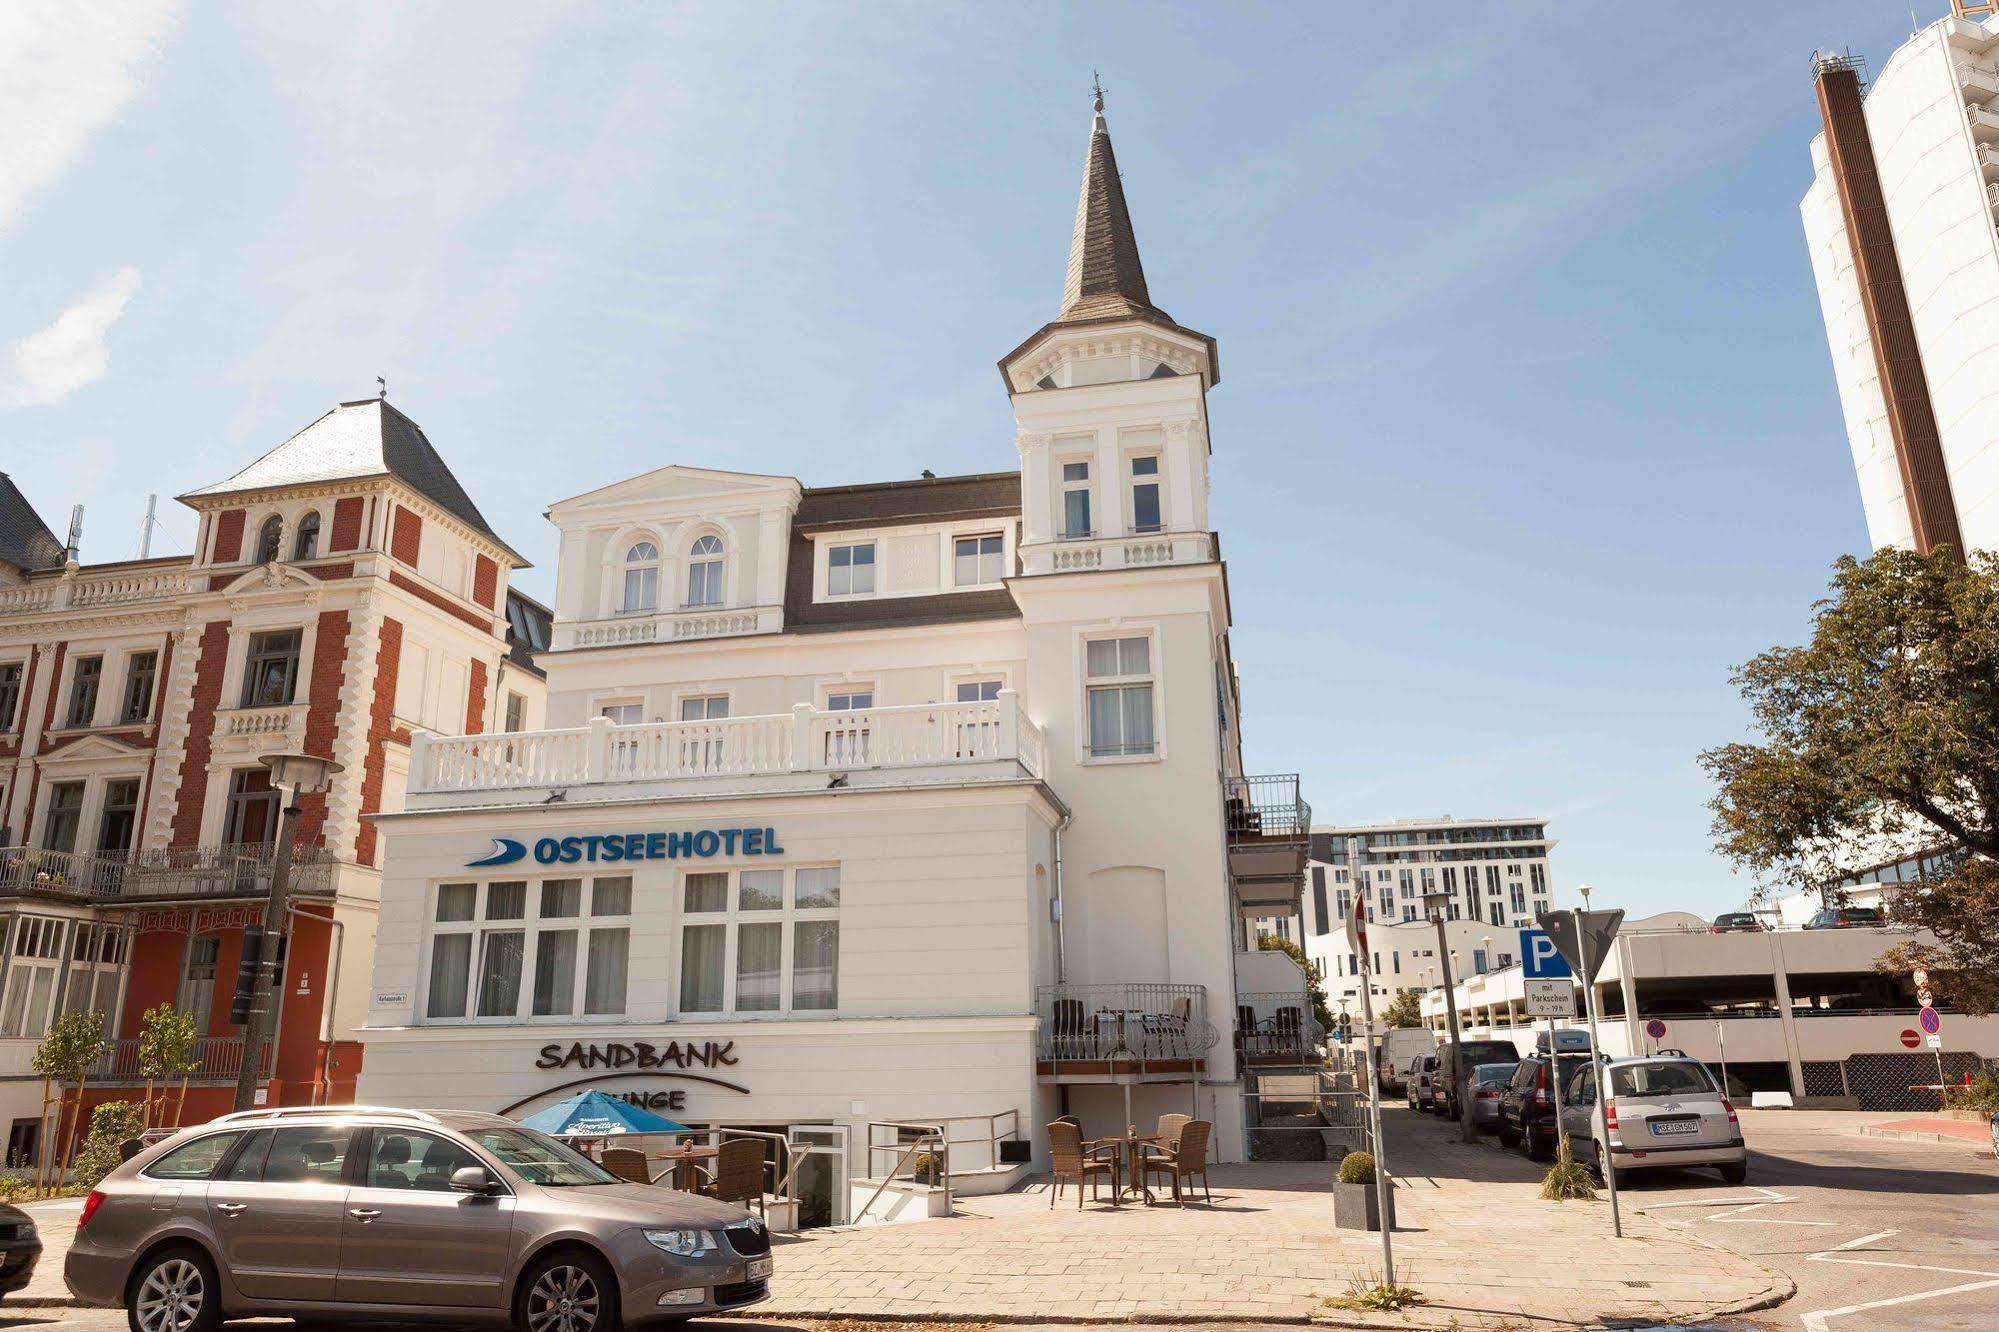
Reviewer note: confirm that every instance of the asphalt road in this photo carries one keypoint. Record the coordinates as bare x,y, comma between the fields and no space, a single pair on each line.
1879,1235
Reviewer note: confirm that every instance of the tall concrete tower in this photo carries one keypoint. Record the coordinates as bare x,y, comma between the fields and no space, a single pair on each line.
1900,222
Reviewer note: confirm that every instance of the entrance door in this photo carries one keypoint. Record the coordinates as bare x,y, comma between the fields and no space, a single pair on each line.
277,1211
197,983
409,1238
819,1173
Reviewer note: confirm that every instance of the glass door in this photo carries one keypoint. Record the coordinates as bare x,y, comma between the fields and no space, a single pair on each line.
819,1173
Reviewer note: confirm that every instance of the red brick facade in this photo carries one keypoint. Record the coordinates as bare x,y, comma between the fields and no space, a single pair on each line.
212,660
228,536
381,727
406,537
475,700
346,533
485,580
322,717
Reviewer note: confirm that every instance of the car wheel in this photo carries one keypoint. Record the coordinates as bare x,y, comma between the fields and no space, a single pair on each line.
1507,1137
1735,1174
174,1291
1606,1172
1538,1147
567,1291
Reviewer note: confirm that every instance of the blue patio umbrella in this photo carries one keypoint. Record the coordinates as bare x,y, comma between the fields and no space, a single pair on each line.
593,1114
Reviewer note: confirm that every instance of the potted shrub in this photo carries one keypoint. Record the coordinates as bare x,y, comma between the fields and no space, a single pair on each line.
1356,1204
928,1169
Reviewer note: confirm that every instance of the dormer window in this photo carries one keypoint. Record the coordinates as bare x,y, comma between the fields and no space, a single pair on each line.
641,578
269,538
305,546
850,570
704,572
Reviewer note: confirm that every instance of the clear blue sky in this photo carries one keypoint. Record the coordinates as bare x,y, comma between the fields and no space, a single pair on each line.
1526,434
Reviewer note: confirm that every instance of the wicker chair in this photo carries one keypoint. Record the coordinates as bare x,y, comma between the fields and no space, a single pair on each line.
1170,1126
1188,1158
626,1163
739,1173
1079,1162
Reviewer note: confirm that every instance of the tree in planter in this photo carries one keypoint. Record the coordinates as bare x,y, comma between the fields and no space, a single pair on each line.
166,1051
1314,990
74,1042
1404,1010
1882,731
112,1124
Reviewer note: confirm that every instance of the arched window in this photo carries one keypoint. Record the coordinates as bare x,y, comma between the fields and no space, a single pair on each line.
704,572
641,578
268,537
305,546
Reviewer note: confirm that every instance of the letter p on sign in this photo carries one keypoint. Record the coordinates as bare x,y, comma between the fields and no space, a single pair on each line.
1540,959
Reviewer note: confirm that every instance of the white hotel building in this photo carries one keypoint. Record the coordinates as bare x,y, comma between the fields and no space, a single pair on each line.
918,801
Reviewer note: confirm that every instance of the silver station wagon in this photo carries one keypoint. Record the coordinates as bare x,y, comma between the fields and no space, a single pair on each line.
333,1213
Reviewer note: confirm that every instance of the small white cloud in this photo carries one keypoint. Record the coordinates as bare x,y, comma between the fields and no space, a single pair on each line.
55,362
66,70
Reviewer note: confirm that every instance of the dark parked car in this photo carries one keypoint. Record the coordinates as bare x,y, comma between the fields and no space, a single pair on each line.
1736,922
1846,918
1451,1077
20,1248
1527,1106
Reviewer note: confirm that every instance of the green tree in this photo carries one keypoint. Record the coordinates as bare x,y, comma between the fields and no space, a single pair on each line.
1404,1010
112,1124
166,1051
74,1042
1314,989
1882,732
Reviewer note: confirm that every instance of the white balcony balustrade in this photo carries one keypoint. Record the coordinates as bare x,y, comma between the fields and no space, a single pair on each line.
1132,551
668,626
82,590
940,737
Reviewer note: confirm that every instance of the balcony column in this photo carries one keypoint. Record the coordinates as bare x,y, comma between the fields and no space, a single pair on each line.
801,737
1009,724
421,778
597,753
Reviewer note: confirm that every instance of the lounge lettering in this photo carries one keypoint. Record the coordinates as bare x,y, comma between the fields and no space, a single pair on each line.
638,1055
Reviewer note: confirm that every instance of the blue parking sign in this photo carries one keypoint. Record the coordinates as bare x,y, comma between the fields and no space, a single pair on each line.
1540,960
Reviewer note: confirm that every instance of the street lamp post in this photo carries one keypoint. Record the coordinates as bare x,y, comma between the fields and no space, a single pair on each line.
294,775
1436,903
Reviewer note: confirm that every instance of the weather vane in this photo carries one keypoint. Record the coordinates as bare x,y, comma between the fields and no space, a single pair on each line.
1097,87
382,391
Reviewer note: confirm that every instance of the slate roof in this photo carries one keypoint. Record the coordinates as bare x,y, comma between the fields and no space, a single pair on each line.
885,505
356,440
25,540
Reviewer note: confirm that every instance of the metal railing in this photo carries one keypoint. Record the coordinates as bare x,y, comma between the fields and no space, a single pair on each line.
237,870
1267,807
915,1142
971,1142
1278,1024
1127,1024
214,1059
806,739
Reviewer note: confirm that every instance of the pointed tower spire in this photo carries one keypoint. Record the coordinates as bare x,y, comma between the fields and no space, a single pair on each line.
1105,277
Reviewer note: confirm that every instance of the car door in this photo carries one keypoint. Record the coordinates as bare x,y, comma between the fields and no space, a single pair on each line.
1578,1114
408,1237
275,1211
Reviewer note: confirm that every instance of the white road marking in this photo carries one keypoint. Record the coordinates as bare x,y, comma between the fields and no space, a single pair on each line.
1816,1321
1742,1207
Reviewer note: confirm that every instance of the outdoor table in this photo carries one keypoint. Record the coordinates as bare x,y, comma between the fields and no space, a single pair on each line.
682,1161
1134,1146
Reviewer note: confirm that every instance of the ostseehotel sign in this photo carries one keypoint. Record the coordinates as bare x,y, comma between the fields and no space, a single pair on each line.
606,848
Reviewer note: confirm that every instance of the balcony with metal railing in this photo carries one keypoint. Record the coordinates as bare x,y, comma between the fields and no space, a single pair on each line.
213,1059
1277,1028
805,749
1269,835
1134,1031
167,874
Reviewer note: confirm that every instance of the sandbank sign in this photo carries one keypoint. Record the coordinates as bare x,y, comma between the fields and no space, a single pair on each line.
609,848
637,1061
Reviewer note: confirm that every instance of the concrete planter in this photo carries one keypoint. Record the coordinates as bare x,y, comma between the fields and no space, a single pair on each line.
1358,1207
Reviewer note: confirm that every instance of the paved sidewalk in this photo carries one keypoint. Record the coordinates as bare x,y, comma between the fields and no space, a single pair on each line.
1475,1240
1934,1128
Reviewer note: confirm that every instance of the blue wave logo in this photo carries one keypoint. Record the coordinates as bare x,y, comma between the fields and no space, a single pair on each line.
505,852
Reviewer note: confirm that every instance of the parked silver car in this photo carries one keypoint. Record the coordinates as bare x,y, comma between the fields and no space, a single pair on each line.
1660,1111
1487,1082
1420,1079
349,1211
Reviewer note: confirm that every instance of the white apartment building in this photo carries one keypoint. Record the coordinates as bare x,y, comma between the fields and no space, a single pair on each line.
1899,222
1495,870
912,802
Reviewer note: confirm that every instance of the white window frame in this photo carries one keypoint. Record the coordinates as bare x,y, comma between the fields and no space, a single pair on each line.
997,680
978,559
1155,677
1131,484
9,725
731,918
719,558
874,565
602,707
1064,487
126,667
627,566
531,925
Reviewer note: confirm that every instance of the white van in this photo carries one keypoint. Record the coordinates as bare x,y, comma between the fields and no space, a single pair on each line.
1393,1052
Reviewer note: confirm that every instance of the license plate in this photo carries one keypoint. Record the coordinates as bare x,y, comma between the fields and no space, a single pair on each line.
1674,1126
759,1269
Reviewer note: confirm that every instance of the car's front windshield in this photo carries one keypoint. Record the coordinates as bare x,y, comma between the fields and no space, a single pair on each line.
1641,1080
540,1159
